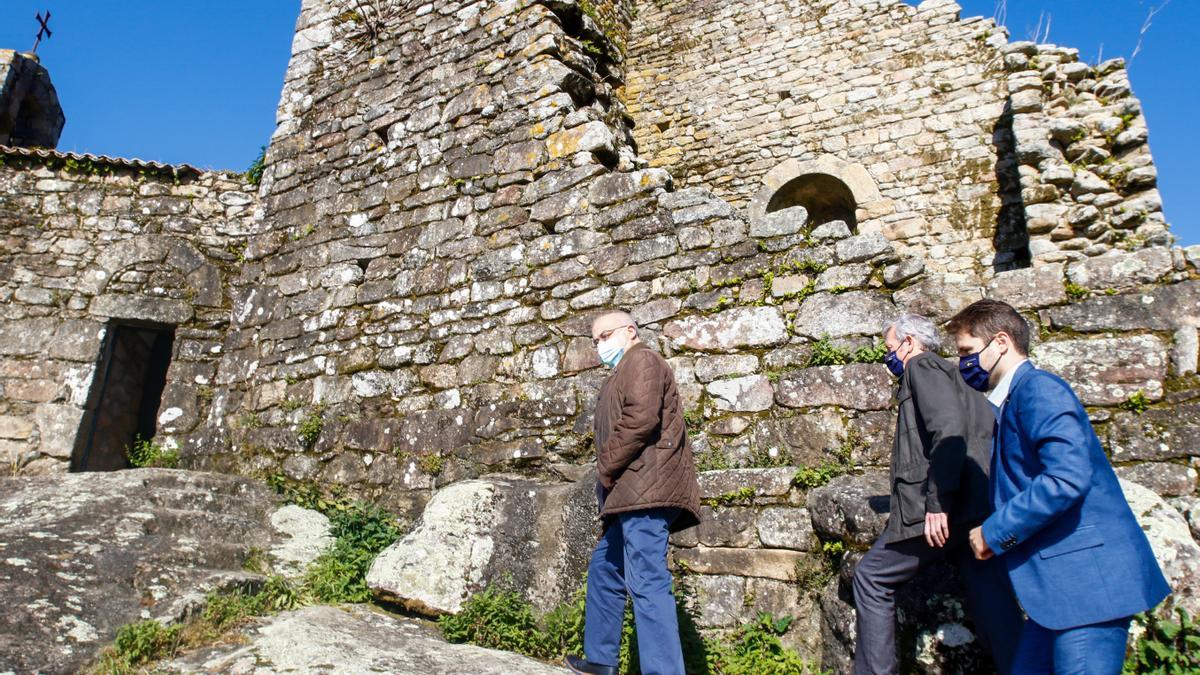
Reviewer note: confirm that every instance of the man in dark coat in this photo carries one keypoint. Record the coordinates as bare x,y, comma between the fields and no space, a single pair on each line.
939,492
647,489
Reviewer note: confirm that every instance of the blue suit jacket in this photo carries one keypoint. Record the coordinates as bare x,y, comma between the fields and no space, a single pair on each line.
1074,551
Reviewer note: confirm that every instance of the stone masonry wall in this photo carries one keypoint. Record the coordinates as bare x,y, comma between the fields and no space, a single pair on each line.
724,93
728,94
85,243
454,190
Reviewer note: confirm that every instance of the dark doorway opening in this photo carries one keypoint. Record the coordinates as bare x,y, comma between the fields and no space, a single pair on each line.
125,395
826,198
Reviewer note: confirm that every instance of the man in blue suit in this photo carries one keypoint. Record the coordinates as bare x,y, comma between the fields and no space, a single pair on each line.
1079,563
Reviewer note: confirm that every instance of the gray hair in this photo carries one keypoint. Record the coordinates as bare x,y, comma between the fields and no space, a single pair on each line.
920,328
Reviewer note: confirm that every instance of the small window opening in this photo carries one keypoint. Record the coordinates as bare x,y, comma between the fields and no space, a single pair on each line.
826,198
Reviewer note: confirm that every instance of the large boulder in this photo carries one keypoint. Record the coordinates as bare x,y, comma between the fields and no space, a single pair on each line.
351,639
1176,551
83,554
501,528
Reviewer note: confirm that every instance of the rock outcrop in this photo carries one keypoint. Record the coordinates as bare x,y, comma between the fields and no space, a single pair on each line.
352,639
536,536
83,554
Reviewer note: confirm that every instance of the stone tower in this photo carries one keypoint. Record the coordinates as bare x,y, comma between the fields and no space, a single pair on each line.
30,115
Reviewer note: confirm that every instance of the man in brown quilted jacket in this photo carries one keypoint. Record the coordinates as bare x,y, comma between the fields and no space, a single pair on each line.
647,489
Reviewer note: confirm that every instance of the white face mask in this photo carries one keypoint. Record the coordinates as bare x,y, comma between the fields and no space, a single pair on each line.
610,353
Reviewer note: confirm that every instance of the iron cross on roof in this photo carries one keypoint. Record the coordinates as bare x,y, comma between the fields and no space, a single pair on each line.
43,30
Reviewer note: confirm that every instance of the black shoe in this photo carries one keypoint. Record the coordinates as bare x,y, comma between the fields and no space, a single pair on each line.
578,665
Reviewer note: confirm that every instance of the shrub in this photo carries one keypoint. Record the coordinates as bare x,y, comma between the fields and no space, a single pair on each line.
808,478
755,649
254,173
309,429
739,496
500,619
362,531
870,354
825,353
1167,647
147,453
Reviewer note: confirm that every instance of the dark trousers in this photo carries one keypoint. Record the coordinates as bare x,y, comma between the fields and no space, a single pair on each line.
990,601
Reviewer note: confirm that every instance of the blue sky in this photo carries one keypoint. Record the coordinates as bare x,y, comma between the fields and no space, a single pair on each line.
198,82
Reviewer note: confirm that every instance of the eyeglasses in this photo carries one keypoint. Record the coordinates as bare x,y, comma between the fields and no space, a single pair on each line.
606,334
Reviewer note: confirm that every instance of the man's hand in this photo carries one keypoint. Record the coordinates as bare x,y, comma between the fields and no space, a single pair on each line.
979,546
937,529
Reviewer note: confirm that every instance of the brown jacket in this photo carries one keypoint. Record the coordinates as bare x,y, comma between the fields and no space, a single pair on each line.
643,455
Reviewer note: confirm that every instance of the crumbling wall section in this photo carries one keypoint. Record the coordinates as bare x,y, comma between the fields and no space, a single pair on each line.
85,244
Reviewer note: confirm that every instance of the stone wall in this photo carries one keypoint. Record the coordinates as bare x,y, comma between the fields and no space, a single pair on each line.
911,102
89,243
454,190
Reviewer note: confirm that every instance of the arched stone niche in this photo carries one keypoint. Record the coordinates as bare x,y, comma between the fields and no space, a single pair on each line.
829,187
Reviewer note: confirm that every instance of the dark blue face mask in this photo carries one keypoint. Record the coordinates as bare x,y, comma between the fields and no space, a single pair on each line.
893,363
973,373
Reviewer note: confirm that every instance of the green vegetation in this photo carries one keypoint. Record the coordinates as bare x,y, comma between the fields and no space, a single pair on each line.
139,644
814,572
763,457
694,418
431,464
309,429
840,463
1166,647
147,453
499,618
825,353
1138,403
870,354
362,531
1075,291
713,459
739,496
254,173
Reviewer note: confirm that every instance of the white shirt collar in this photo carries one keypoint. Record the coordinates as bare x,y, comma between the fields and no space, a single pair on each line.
998,395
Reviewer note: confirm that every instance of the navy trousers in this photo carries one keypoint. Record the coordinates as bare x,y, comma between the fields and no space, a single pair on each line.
630,560
1096,649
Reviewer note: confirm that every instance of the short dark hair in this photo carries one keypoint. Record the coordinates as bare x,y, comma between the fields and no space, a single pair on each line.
985,318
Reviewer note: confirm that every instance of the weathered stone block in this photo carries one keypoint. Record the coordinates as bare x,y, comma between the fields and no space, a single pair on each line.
937,297
456,549
1108,371
729,330
1156,434
751,393
783,527
1162,309
853,509
765,563
780,223
766,482
858,386
1166,479
1031,287
839,315
863,247
1119,270
593,137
